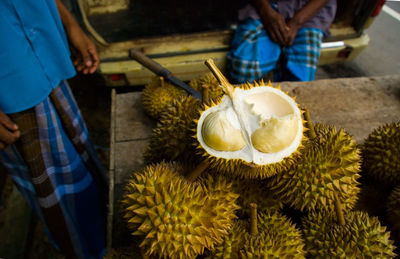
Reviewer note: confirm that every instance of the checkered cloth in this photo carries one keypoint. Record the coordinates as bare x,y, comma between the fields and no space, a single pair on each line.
253,54
55,167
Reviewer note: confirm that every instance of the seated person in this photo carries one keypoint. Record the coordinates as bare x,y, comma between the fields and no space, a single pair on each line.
283,36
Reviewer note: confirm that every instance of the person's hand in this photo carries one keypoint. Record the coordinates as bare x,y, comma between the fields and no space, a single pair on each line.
9,132
292,32
85,56
275,25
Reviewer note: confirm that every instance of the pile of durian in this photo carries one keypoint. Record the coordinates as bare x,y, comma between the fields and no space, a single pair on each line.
244,173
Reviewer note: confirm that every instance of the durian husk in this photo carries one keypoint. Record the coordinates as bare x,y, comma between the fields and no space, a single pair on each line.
254,191
361,237
207,81
381,154
178,218
157,95
329,166
393,213
171,138
239,167
277,237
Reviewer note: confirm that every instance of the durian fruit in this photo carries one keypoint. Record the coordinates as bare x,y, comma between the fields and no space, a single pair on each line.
209,82
362,236
329,166
157,95
254,191
253,131
171,139
178,218
393,211
276,237
381,153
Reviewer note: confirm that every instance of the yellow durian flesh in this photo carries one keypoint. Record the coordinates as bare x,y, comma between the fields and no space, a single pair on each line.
275,134
219,134
268,126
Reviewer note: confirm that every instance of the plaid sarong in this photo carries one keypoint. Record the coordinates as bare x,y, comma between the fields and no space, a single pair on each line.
253,54
55,167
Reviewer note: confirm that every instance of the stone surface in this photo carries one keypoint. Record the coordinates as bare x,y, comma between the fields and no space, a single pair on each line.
358,105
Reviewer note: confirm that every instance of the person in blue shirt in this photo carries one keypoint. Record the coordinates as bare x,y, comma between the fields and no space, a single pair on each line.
44,143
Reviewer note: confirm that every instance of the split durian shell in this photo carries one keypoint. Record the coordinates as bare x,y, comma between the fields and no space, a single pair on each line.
381,154
177,218
362,236
277,237
255,132
157,95
171,139
329,166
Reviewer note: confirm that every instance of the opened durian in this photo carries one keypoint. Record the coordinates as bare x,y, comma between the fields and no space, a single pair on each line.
329,166
276,237
393,209
157,95
381,153
178,218
360,237
171,138
253,131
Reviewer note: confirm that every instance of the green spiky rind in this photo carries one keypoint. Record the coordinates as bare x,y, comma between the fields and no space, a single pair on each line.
239,167
207,80
381,153
254,191
361,237
155,98
171,138
178,219
393,211
278,238
330,165
230,247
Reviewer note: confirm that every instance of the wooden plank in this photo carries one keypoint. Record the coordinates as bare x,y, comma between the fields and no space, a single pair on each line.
111,173
132,123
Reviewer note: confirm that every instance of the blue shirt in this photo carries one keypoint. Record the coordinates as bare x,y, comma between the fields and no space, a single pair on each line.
34,53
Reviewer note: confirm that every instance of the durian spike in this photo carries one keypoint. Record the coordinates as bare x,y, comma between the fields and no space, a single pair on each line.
339,211
226,86
205,92
162,82
198,170
310,126
253,219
